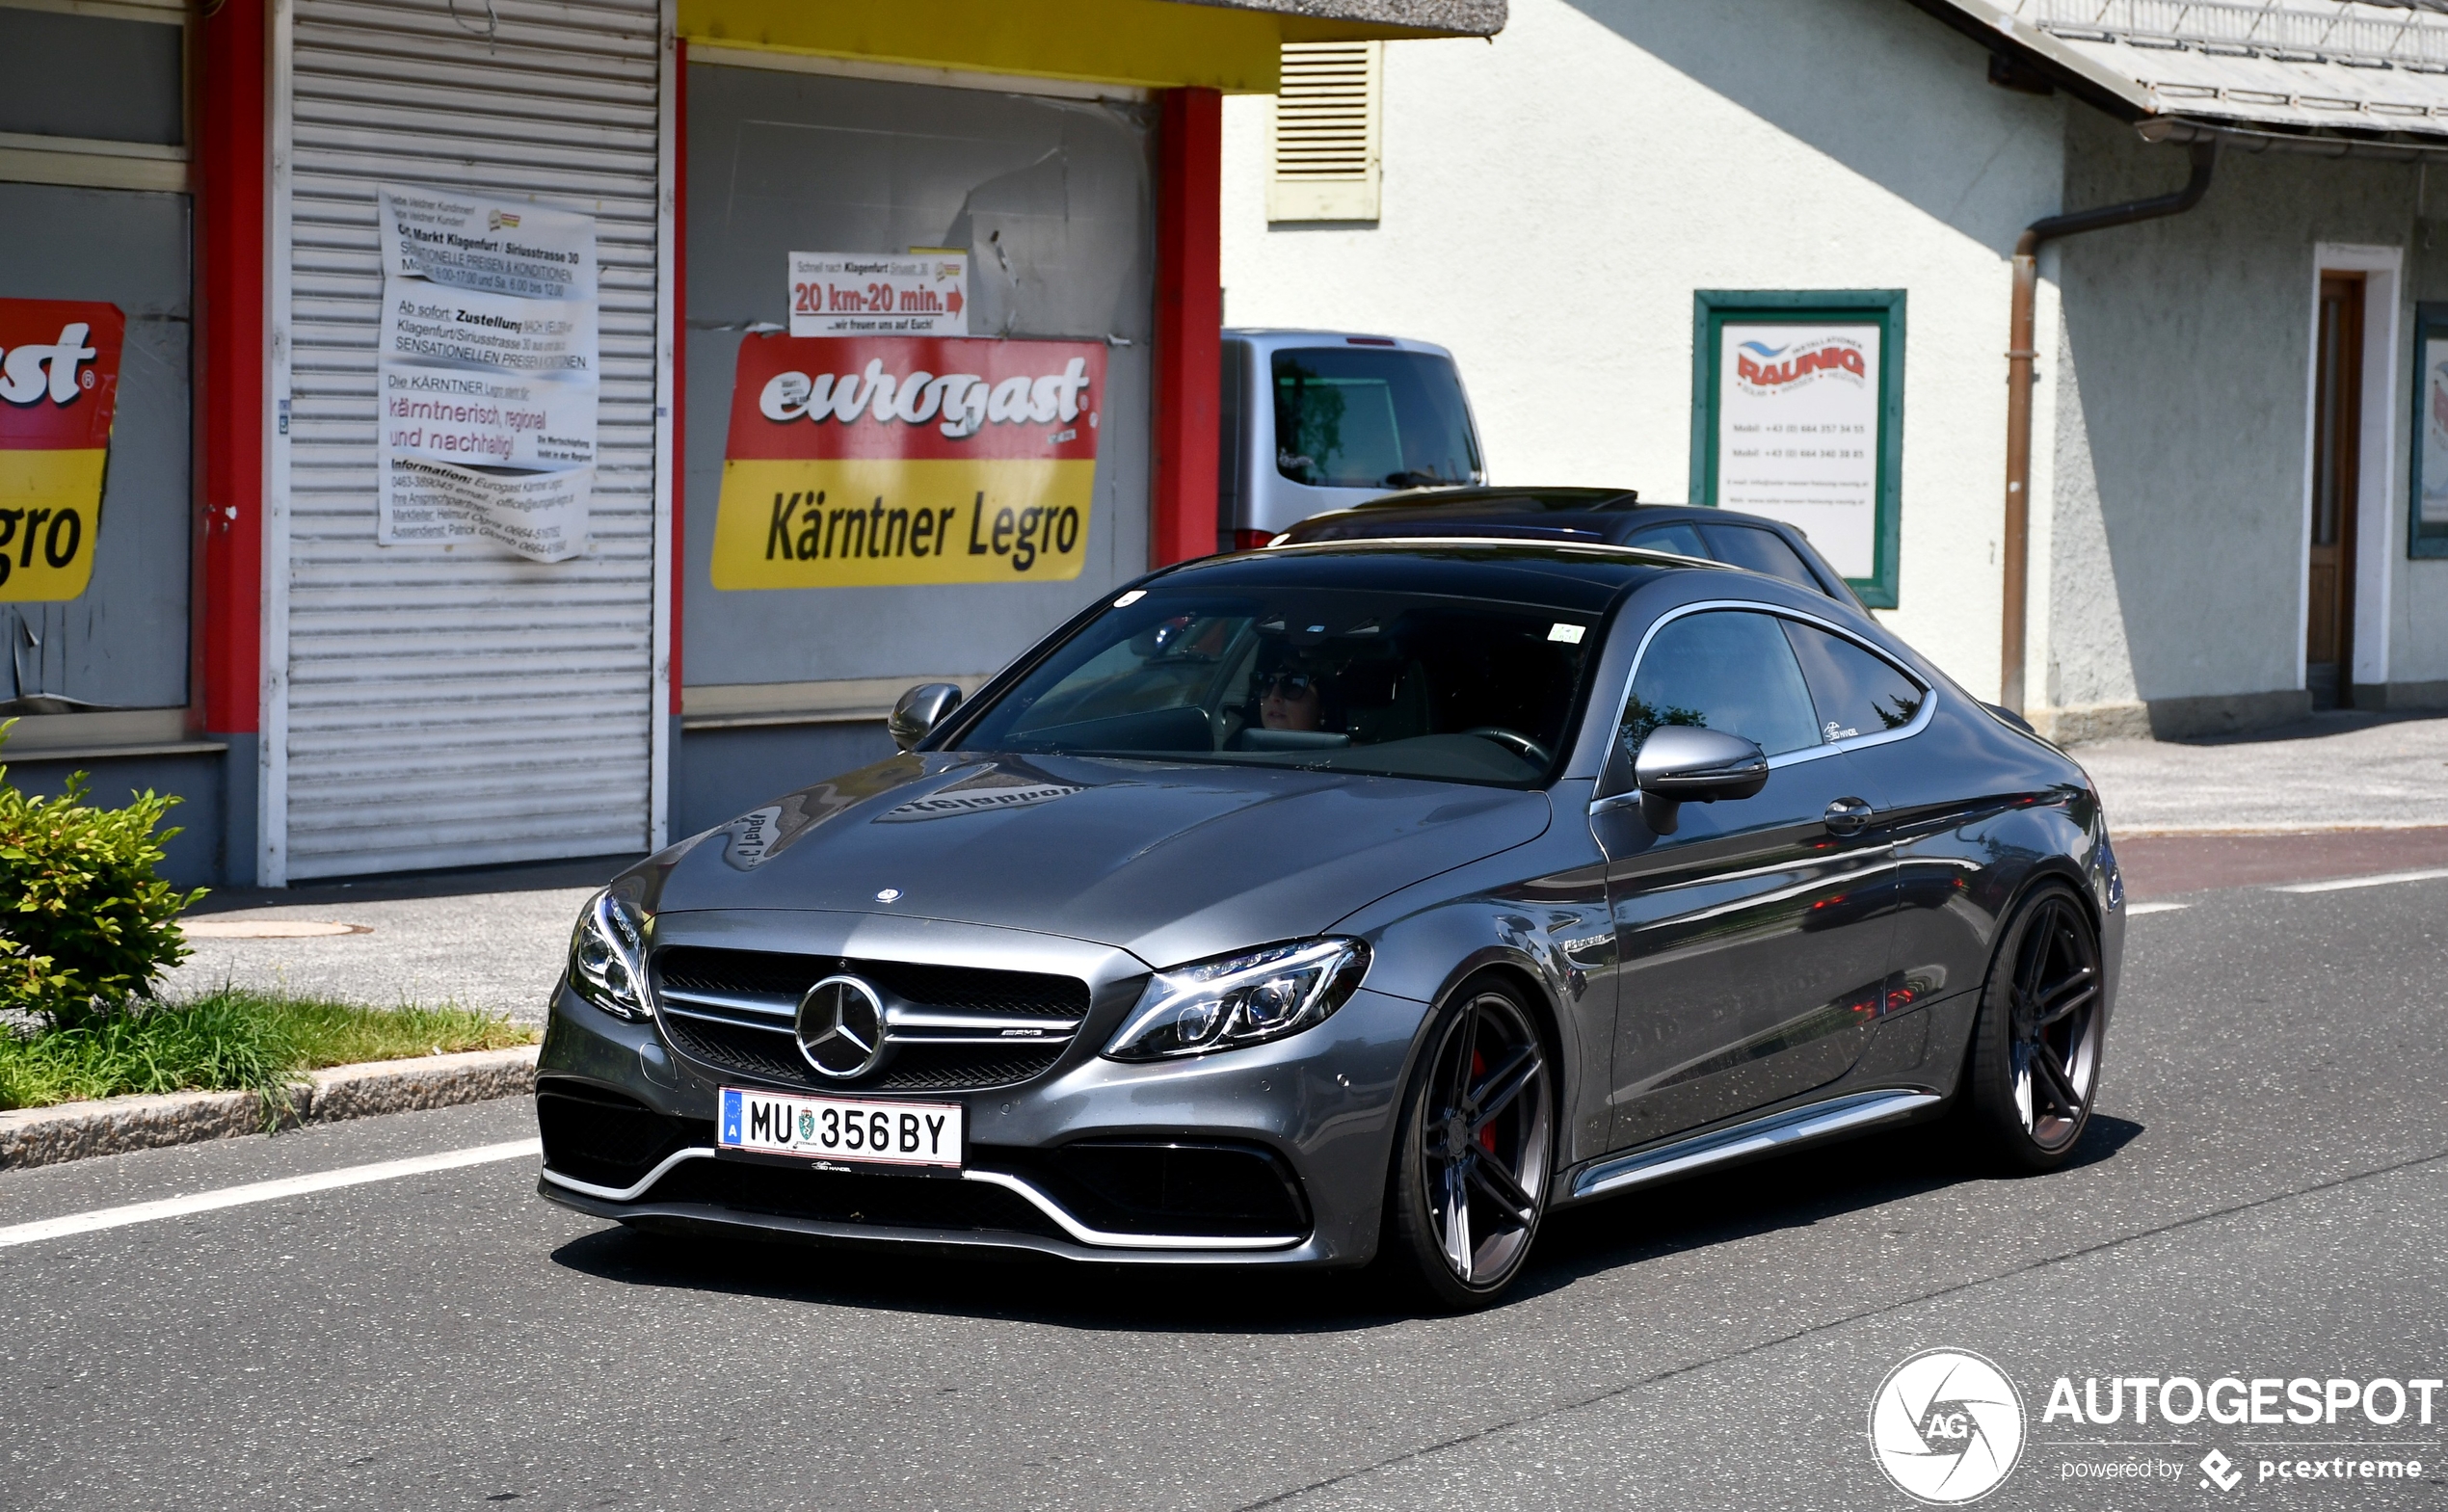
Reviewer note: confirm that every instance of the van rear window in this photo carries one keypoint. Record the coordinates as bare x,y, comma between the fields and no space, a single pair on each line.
1348,418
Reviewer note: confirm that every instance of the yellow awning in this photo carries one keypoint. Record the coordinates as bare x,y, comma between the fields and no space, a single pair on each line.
1137,44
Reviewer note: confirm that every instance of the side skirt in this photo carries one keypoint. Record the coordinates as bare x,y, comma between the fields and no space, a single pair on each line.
1761,1136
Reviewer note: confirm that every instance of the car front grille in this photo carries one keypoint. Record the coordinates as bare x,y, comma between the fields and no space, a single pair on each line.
955,1028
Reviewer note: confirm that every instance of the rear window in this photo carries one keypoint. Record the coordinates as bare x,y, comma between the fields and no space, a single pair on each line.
1681,539
1353,417
1760,551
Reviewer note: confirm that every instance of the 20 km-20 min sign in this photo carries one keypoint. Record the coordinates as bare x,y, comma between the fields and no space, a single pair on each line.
872,294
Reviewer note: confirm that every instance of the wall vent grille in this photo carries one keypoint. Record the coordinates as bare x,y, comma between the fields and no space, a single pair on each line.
1323,147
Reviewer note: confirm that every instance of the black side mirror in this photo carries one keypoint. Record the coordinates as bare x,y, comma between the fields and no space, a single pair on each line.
920,711
1686,763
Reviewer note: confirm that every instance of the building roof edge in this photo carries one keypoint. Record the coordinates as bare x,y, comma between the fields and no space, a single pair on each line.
1373,18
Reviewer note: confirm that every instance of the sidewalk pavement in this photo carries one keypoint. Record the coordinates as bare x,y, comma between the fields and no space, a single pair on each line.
488,938
495,938
2331,771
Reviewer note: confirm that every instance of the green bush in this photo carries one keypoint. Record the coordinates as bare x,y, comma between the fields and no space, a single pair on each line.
85,925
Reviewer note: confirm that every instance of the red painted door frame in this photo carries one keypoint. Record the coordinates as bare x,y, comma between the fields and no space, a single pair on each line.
231,173
1190,299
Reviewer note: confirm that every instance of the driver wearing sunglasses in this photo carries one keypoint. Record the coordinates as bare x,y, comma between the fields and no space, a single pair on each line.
1289,698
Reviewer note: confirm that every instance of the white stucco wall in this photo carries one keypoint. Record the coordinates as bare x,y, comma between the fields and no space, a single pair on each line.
1553,198
2184,379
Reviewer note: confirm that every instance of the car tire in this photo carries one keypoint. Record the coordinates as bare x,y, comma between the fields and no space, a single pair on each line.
1473,1148
2033,1069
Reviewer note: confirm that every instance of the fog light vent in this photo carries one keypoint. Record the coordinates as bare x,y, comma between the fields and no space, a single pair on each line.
1163,1187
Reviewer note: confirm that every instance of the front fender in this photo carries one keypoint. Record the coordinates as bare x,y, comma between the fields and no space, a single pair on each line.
1538,911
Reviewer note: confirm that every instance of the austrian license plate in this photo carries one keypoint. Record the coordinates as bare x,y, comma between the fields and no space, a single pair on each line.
844,1129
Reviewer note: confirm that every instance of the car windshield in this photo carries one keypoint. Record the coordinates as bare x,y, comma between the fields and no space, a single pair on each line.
1358,417
1338,679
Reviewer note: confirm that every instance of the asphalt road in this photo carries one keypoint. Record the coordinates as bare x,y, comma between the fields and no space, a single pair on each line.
2264,1194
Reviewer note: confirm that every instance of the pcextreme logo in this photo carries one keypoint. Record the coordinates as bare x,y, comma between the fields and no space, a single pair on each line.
1946,1426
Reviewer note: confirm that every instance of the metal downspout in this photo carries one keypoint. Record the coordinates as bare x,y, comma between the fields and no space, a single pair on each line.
2018,393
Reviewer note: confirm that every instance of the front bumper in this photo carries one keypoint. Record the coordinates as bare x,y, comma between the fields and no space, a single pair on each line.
1317,1108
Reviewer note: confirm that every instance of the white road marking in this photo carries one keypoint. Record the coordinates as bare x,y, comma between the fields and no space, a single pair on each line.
265,1191
2137,910
2344,882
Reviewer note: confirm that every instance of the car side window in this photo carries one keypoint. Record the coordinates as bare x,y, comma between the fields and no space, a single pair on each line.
1724,669
1760,551
1680,538
1853,692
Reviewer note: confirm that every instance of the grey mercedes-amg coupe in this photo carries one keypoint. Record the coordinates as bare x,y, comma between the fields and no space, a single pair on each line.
1325,902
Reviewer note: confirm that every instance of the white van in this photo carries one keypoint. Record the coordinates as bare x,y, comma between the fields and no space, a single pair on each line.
1318,420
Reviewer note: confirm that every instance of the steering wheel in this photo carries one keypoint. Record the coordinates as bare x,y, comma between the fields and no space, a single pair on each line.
1515,741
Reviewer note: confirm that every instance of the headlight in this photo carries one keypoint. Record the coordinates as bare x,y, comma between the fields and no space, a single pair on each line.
1241,1000
607,956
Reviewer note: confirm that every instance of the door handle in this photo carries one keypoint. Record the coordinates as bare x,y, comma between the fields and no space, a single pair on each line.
1849,816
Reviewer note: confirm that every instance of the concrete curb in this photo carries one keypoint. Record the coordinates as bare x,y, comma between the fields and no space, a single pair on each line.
116,1125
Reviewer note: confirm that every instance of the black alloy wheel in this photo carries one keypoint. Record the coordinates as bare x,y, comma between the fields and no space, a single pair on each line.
2036,1050
1474,1149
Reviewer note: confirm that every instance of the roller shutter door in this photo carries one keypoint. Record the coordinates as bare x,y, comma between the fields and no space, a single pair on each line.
464,706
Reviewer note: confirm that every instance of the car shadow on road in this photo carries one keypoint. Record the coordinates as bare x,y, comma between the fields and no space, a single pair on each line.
1793,1191
1013,1287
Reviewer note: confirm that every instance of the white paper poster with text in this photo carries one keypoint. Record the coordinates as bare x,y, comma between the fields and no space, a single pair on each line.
873,294
488,374
2433,482
1798,433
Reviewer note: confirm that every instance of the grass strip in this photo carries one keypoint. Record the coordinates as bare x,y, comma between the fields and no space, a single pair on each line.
232,1039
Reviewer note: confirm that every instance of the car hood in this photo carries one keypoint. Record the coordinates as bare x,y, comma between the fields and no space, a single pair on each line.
1172,861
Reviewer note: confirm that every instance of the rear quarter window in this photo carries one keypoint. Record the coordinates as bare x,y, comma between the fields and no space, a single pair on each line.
1853,692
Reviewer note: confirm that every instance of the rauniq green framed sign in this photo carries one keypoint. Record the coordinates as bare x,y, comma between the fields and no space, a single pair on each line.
1797,412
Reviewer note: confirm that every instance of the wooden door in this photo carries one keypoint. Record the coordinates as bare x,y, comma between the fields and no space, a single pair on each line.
2337,427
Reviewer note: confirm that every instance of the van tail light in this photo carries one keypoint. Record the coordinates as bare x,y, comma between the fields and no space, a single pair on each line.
1251,539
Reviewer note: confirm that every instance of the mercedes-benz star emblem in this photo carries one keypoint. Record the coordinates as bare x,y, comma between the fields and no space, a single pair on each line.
841,1028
